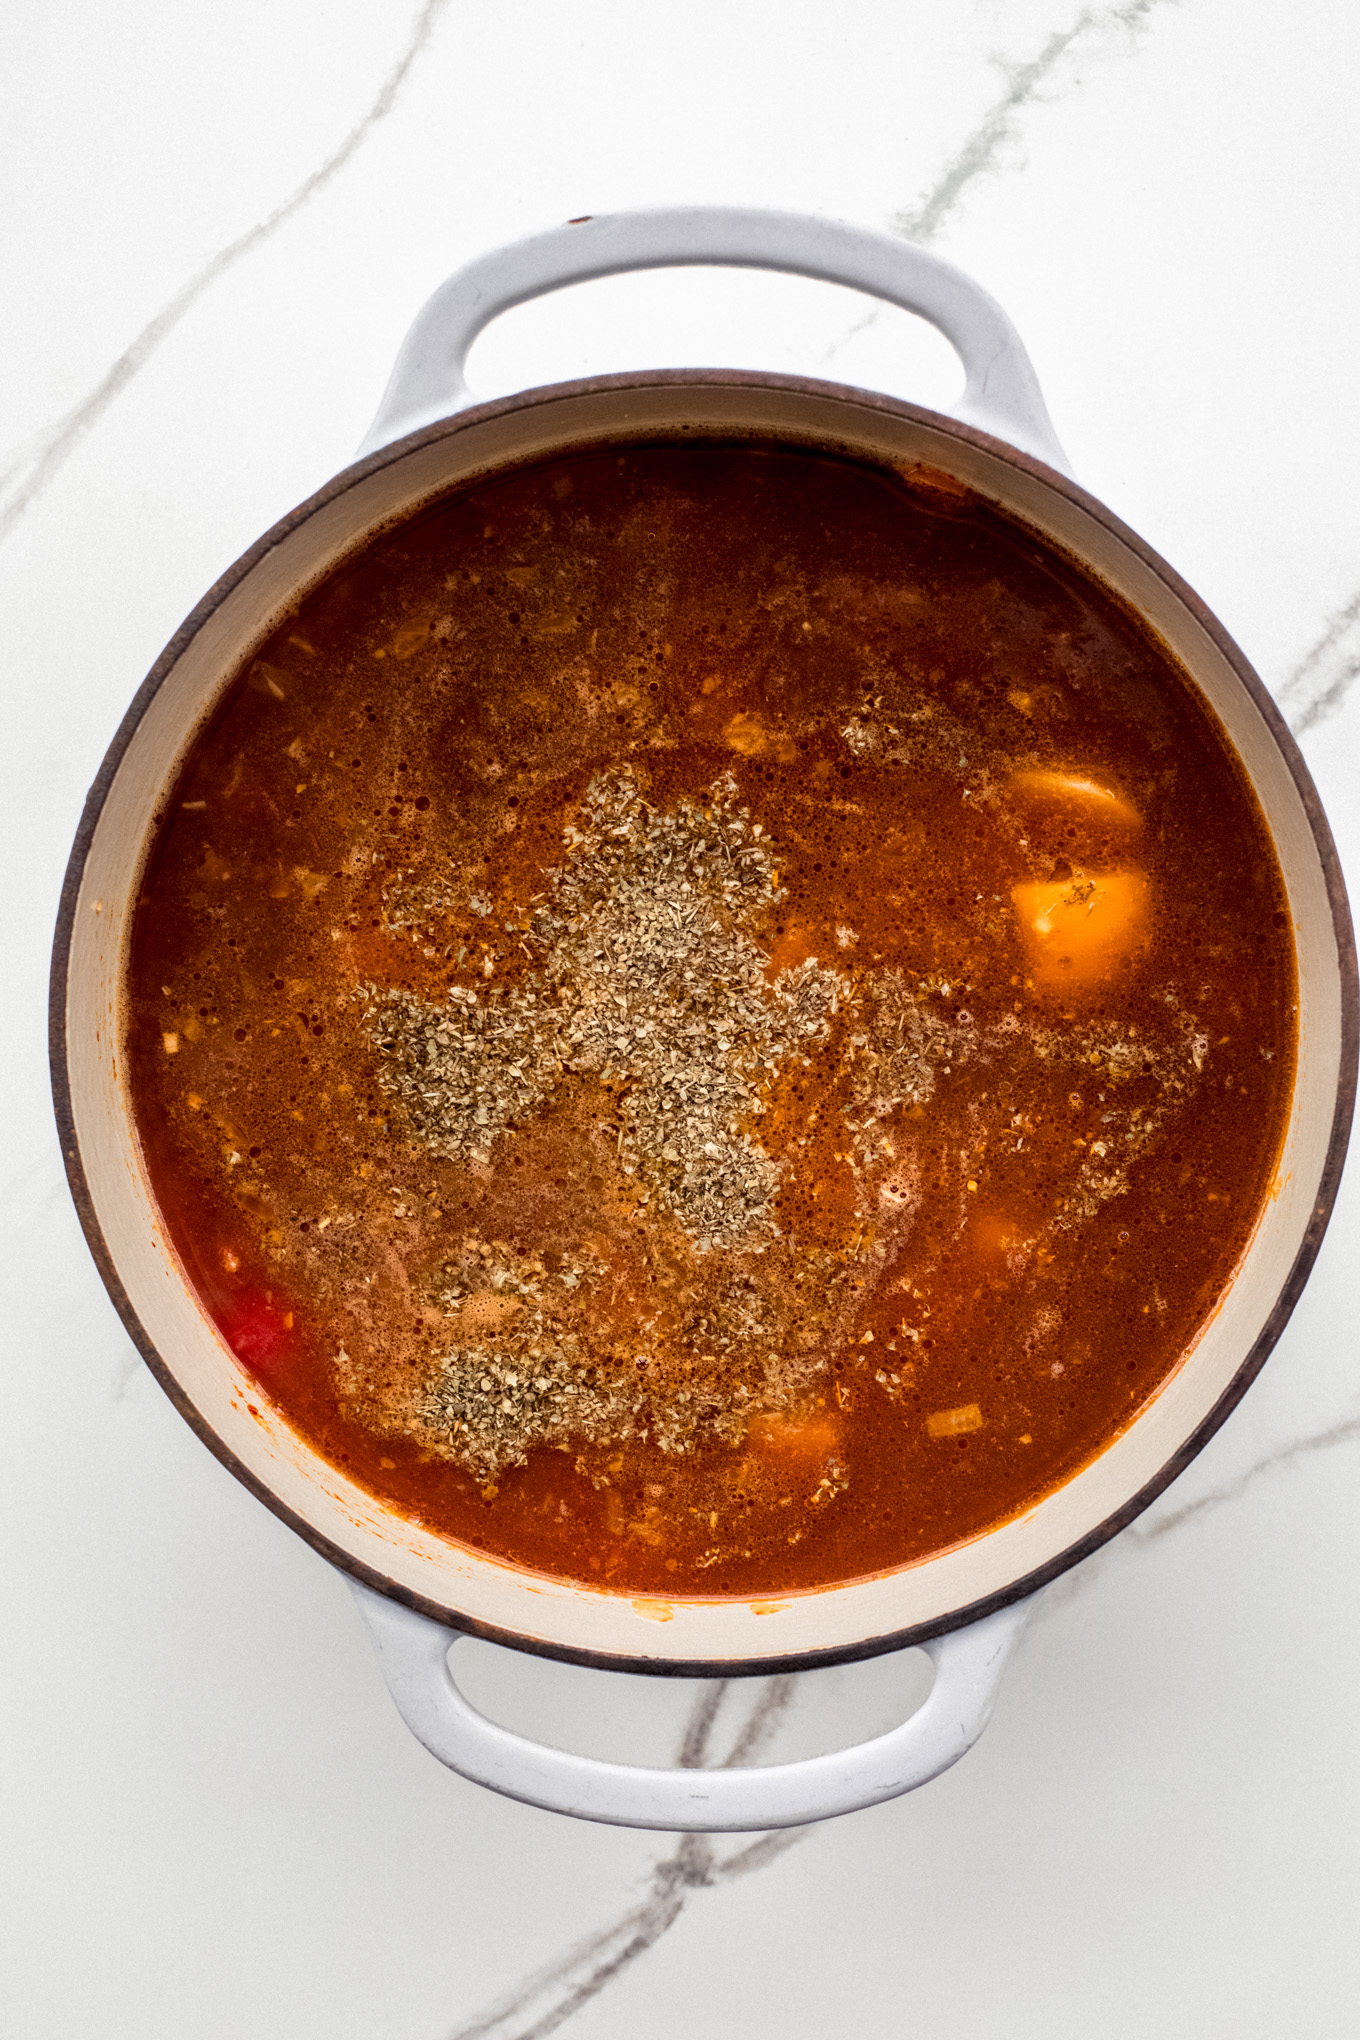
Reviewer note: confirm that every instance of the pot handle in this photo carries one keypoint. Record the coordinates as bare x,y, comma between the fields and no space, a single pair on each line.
414,1654
1001,394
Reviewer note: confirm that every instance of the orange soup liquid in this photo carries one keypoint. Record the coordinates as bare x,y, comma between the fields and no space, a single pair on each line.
711,1019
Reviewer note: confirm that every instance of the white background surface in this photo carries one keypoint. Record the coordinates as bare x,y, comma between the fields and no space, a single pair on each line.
214,1824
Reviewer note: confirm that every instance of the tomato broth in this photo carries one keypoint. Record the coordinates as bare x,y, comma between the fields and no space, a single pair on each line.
711,1018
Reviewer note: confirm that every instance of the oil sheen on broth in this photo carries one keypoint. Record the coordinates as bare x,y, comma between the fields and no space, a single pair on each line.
711,1018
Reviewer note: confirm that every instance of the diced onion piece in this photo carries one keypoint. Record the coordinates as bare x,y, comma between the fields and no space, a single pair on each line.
1078,931
954,1423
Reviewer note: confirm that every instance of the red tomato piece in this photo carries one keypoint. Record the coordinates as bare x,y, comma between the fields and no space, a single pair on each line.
257,1331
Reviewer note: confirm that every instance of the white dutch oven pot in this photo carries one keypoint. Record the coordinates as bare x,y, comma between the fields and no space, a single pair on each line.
418,1591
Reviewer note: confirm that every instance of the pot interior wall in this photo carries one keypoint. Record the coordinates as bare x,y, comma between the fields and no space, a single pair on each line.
208,1383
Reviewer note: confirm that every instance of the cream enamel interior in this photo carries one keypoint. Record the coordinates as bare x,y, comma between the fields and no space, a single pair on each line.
543,1612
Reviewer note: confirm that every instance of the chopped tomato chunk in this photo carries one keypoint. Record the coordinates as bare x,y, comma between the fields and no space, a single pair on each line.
258,1331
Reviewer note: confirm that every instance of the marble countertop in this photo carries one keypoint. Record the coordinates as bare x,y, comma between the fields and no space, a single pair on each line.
220,224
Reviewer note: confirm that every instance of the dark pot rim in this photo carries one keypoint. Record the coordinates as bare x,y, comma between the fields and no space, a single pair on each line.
1094,509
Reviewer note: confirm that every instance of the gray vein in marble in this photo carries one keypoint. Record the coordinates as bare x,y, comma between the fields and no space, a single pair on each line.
1151,1529
31,471
981,150
1326,673
129,1372
1283,1456
703,1714
763,1720
556,1992
1025,85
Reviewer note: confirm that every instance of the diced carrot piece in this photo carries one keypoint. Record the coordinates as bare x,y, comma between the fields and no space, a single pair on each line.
1077,931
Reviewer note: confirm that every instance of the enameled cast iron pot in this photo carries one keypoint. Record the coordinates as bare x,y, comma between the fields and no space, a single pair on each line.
418,1591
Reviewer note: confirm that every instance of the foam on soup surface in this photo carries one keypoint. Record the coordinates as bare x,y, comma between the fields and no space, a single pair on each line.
711,1019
